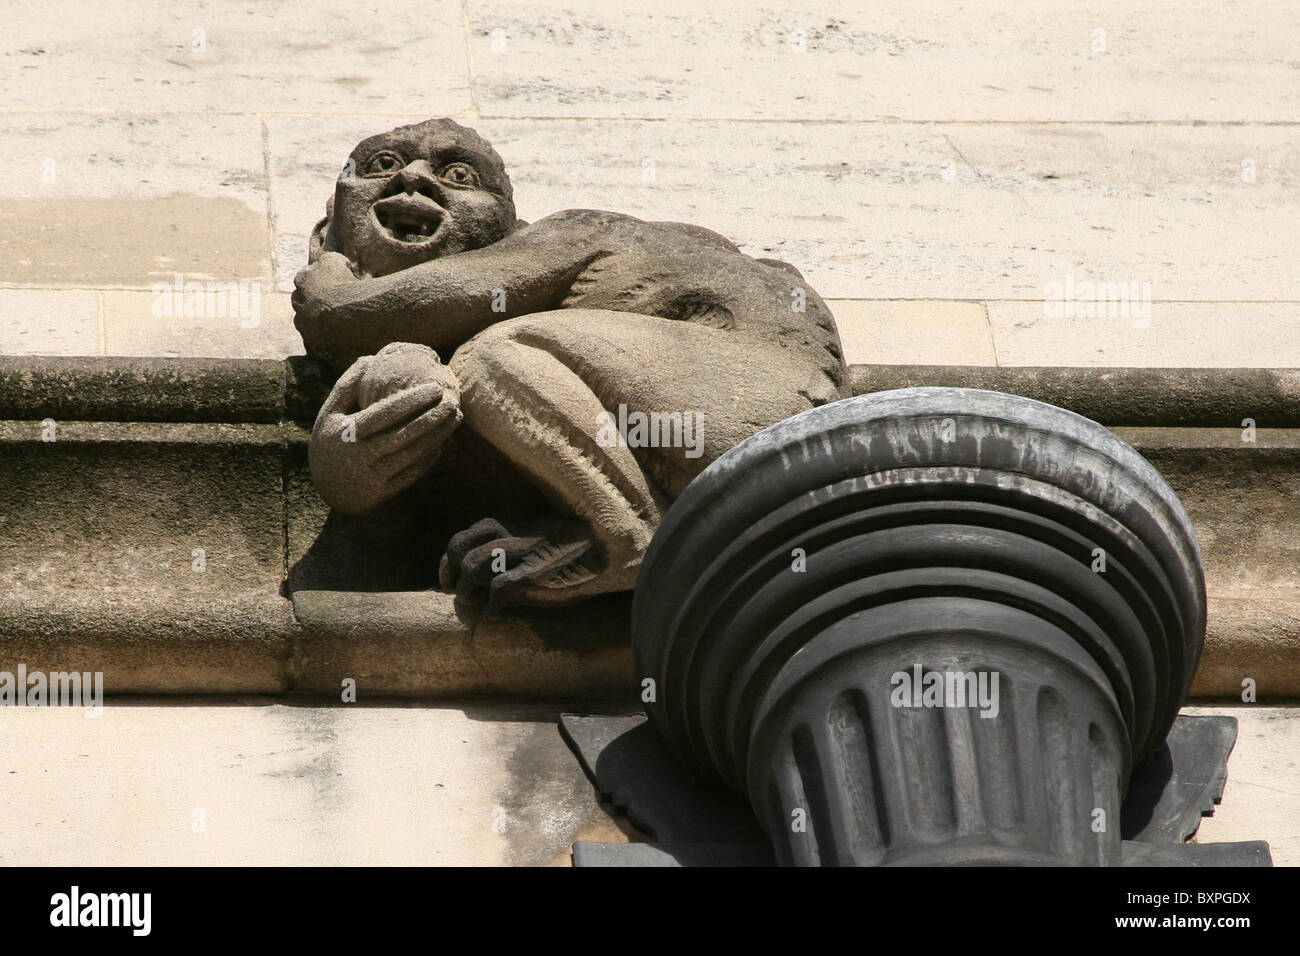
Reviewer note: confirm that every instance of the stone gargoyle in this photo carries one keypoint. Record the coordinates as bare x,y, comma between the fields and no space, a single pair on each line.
608,359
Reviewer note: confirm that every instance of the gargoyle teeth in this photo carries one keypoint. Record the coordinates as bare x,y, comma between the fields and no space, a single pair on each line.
407,226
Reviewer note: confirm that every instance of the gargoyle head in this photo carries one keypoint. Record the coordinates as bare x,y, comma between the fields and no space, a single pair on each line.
416,193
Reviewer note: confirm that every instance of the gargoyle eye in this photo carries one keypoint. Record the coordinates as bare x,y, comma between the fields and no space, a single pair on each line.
459,174
384,162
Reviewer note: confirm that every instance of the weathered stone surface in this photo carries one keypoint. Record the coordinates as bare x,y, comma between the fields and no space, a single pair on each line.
79,152
98,200
49,322
883,61
1244,500
914,332
1068,204
1263,781
416,643
124,506
1252,635
286,783
229,55
150,551
307,384
1243,497
1223,335
152,641
258,325
201,782
1064,179
131,242
1165,397
957,211
235,391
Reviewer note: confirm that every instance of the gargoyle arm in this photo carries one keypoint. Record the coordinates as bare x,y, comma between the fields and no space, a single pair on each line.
444,302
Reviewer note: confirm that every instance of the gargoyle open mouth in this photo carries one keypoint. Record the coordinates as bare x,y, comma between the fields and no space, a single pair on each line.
408,218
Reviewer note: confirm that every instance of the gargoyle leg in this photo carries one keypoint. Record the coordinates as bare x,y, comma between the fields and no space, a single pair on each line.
542,416
546,390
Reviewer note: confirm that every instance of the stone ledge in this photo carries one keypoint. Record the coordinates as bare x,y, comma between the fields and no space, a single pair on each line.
227,644
1256,637
152,643
263,391
1165,397
415,644
142,389
98,527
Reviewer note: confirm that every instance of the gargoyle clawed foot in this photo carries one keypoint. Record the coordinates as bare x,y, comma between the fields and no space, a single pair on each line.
540,561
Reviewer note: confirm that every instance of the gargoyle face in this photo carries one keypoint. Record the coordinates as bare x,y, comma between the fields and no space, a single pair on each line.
417,193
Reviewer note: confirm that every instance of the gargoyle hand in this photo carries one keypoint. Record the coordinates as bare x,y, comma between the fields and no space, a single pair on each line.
382,427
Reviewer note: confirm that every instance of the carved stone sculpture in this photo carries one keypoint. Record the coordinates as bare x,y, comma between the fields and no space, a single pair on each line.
608,359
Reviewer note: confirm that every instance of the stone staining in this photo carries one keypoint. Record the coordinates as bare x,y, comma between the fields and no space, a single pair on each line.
549,332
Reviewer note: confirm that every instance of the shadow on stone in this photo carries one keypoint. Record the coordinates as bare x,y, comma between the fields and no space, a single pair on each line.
397,547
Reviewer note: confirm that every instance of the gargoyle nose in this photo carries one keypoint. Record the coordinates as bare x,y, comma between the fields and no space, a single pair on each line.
415,177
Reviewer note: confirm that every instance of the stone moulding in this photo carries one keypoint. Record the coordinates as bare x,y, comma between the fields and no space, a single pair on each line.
156,459
262,391
1117,397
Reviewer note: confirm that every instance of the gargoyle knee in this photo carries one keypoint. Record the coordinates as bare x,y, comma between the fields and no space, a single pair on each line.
495,350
